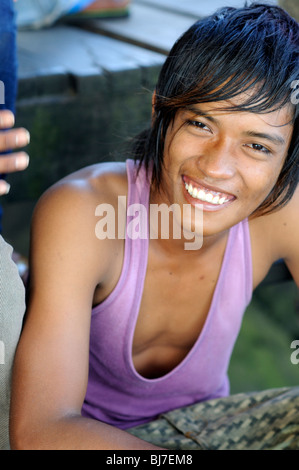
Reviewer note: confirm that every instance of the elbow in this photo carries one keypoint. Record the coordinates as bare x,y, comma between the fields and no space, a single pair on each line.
26,433
27,440
41,433
21,438
20,444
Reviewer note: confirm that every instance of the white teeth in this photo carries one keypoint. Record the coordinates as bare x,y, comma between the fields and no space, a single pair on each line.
201,195
205,196
209,197
222,200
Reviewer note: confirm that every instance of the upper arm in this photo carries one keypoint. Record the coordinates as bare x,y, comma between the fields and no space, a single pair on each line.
67,262
287,235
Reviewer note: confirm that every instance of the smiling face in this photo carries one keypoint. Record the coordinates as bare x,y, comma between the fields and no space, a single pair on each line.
227,161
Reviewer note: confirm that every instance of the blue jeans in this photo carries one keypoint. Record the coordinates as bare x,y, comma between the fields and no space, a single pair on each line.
8,59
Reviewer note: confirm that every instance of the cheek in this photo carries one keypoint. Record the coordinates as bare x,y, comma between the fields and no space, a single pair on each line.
179,145
261,183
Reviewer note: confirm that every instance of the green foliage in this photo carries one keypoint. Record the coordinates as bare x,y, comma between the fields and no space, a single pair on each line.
261,358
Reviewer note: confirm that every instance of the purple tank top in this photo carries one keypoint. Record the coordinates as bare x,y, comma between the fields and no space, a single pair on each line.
116,393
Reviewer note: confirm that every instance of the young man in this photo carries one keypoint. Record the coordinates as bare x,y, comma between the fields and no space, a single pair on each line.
12,294
120,330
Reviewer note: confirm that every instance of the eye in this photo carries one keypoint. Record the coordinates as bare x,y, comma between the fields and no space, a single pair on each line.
259,148
198,124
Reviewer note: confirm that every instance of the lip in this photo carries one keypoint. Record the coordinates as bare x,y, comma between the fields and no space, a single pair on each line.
207,206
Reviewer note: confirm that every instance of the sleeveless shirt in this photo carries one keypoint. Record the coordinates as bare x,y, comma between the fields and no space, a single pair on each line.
116,393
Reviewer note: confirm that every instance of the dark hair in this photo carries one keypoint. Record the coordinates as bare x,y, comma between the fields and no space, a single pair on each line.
218,58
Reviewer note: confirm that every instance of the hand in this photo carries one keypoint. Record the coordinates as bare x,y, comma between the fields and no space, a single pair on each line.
11,139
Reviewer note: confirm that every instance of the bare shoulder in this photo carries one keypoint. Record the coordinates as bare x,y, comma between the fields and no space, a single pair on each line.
284,226
103,182
75,197
275,236
64,221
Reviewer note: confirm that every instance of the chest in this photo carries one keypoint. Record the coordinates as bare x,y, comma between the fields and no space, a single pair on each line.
174,307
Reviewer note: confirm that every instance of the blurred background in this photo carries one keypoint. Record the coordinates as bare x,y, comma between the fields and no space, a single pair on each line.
84,90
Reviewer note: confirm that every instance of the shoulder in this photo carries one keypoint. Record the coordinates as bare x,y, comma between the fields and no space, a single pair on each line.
275,236
64,220
77,195
102,180
283,225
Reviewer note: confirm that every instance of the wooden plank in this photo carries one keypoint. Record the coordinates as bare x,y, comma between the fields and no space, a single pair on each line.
147,27
194,8
65,49
156,24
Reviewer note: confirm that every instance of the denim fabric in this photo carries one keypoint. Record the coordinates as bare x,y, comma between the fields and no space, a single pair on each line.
8,55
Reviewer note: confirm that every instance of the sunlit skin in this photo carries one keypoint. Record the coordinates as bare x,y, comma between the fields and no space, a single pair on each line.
239,154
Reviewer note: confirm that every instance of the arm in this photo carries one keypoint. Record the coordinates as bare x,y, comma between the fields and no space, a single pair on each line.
290,236
51,367
282,229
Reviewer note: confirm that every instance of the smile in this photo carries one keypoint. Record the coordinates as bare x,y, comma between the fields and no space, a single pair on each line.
206,195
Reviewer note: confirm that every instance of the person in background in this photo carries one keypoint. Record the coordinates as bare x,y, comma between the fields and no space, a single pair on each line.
12,294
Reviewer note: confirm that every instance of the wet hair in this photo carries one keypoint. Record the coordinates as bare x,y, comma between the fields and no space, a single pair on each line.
253,49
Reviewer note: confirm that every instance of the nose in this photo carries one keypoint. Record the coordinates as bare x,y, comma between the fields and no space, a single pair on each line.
217,160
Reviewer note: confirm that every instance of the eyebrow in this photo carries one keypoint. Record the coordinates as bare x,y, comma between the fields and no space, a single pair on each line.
199,112
274,138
